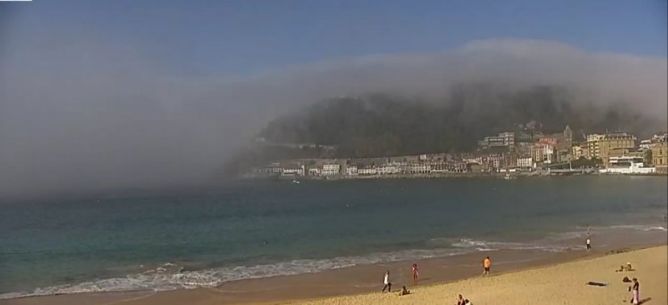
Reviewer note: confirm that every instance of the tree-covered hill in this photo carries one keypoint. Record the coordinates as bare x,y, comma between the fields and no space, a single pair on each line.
384,125
378,125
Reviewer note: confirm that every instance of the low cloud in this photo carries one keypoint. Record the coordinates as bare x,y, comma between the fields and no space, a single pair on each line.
84,116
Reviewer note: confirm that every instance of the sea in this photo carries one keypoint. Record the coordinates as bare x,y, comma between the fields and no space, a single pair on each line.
262,228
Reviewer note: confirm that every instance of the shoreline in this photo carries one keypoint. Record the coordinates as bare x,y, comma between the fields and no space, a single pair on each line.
494,175
343,282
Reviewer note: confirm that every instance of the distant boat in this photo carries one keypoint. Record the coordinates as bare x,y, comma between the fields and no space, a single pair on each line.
295,181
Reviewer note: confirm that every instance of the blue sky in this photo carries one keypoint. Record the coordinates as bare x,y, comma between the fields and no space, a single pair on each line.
244,37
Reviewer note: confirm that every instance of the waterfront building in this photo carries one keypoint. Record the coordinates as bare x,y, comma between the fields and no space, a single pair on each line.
330,169
293,170
627,165
543,152
368,171
525,162
576,152
265,171
660,156
458,167
439,167
388,170
417,168
593,145
610,145
351,170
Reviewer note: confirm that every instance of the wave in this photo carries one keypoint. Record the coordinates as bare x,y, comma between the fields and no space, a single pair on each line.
169,276
645,228
633,227
481,245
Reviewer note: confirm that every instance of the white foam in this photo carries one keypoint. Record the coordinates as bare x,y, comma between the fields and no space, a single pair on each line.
645,228
481,245
171,277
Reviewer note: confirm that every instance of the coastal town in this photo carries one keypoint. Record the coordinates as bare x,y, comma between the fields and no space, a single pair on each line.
507,154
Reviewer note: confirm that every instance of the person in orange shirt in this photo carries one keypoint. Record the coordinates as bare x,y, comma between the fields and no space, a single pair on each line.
486,265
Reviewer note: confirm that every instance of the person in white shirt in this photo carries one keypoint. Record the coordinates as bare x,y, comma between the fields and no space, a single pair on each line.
386,282
588,243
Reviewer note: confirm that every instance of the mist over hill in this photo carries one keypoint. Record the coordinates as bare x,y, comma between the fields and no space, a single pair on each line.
382,125
87,123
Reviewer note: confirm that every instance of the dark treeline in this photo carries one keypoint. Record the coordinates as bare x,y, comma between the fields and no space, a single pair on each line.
379,125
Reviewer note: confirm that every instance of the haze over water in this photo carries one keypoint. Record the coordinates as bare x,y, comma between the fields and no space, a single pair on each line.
265,228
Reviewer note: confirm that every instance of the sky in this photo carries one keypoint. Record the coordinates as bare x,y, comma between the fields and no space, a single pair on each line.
244,37
117,94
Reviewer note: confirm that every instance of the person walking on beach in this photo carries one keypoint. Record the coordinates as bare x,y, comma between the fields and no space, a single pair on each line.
386,282
588,242
635,292
416,274
486,265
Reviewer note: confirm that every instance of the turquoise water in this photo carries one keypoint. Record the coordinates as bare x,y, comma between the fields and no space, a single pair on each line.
263,228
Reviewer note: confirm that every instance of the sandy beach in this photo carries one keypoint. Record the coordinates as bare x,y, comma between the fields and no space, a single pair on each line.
552,279
559,284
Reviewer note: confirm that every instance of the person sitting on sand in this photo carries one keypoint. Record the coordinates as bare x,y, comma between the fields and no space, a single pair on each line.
623,268
486,265
404,291
462,301
386,282
414,269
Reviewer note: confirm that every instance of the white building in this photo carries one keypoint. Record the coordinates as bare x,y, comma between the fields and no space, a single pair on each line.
388,170
627,165
439,167
543,152
330,169
293,171
314,171
367,171
417,168
525,162
351,171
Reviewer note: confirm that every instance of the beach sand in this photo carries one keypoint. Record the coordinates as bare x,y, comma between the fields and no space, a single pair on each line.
559,284
558,279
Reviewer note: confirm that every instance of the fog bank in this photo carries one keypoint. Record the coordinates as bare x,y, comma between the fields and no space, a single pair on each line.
82,115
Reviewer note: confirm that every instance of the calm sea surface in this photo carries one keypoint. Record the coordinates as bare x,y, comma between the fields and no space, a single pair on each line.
263,228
